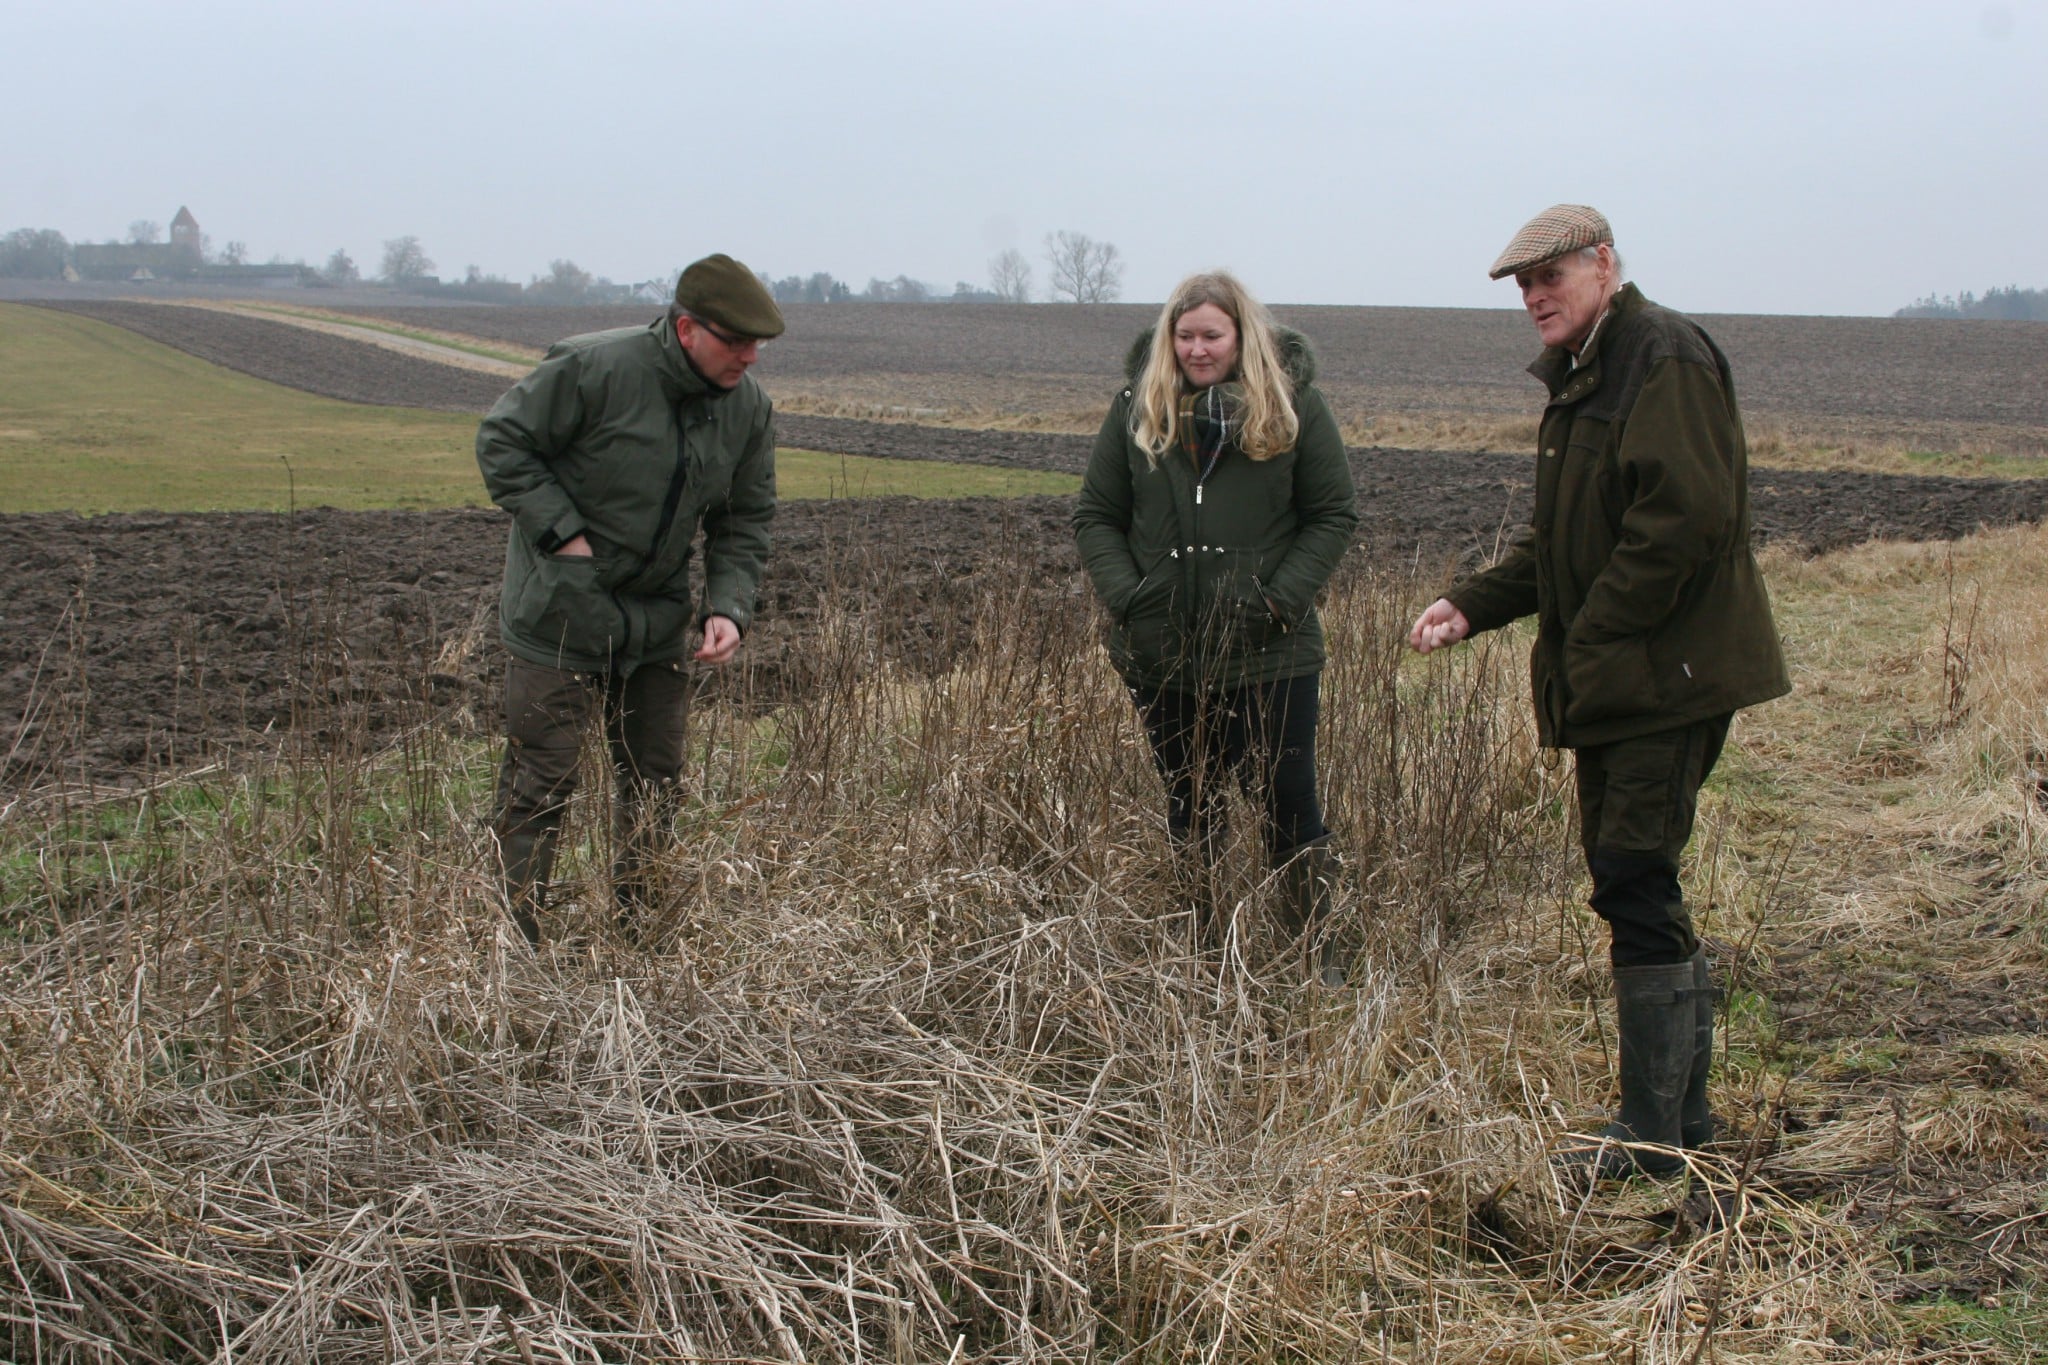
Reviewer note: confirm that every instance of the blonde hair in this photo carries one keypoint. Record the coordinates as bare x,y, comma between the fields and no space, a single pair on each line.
1269,424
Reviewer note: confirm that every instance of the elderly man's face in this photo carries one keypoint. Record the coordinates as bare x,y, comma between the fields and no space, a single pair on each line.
1565,297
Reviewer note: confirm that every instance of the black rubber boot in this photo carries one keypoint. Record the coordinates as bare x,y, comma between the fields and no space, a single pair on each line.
1654,1021
1696,1122
1307,885
528,859
1197,860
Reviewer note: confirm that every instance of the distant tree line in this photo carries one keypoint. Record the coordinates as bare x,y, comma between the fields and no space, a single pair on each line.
1082,270
34,254
43,253
2011,303
407,266
823,287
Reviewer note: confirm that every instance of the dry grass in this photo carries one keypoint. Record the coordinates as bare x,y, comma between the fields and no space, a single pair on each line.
917,1064
1420,422
1959,450
1021,406
1046,407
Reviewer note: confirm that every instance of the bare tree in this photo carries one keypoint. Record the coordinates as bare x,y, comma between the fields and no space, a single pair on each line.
341,268
1009,275
405,260
145,232
235,253
565,282
1083,269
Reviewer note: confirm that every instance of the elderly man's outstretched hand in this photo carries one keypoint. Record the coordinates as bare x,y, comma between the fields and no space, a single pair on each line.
1440,624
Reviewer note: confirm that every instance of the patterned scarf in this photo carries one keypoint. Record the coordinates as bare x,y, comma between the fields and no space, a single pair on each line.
1208,420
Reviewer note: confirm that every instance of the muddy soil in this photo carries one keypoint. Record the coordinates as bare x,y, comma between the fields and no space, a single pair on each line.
144,642
159,641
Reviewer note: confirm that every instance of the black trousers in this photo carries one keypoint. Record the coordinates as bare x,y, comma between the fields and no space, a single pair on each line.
1262,735
1637,801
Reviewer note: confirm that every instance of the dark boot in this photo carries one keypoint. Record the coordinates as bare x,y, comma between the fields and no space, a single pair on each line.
1696,1123
1308,881
630,852
1197,860
643,823
527,860
1653,1017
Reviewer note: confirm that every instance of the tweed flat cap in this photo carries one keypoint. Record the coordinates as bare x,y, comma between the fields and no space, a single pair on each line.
727,294
1551,233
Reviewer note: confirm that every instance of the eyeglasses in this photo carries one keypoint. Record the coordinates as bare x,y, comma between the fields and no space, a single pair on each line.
731,342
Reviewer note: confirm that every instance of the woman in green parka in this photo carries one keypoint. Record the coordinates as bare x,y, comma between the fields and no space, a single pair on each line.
1217,503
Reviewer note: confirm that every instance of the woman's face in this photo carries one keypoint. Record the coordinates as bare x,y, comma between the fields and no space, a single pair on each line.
1205,344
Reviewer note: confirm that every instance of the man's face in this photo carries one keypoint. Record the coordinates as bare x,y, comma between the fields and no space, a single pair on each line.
1566,296
721,357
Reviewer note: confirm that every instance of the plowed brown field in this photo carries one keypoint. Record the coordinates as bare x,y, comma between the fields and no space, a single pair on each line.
1910,378
145,640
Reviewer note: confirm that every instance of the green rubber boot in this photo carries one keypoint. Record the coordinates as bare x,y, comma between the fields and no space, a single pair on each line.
1654,1017
1696,1123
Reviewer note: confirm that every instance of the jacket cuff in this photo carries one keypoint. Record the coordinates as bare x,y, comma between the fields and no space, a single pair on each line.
566,529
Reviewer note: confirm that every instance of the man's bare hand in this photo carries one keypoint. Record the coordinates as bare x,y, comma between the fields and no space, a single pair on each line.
1440,624
575,547
721,640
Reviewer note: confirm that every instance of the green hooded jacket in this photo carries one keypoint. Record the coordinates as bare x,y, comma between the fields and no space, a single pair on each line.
1212,584
615,437
1651,611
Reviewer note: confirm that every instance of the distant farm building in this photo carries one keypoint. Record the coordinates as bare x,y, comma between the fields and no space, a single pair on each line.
185,233
137,261
182,259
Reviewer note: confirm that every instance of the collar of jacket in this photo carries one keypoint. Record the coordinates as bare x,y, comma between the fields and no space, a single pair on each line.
679,376
1556,366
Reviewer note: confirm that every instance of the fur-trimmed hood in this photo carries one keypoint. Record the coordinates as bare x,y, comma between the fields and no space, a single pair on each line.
1297,356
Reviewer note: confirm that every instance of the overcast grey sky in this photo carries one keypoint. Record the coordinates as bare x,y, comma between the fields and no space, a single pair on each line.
1803,156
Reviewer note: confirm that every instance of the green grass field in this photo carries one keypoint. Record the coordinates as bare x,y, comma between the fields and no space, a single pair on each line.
96,419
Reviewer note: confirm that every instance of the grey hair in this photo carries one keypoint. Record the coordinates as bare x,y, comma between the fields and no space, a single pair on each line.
1592,253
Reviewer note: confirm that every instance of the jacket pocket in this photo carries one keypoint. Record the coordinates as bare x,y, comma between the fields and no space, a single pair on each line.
1610,679
562,604
1145,635
1239,619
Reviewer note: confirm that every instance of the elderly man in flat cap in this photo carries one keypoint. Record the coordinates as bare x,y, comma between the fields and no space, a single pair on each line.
1653,628
610,456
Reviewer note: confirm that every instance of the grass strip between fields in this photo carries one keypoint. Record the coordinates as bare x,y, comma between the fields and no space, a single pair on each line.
96,419
469,345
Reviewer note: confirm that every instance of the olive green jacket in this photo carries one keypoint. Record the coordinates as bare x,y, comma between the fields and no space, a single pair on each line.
1212,583
1651,612
615,437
